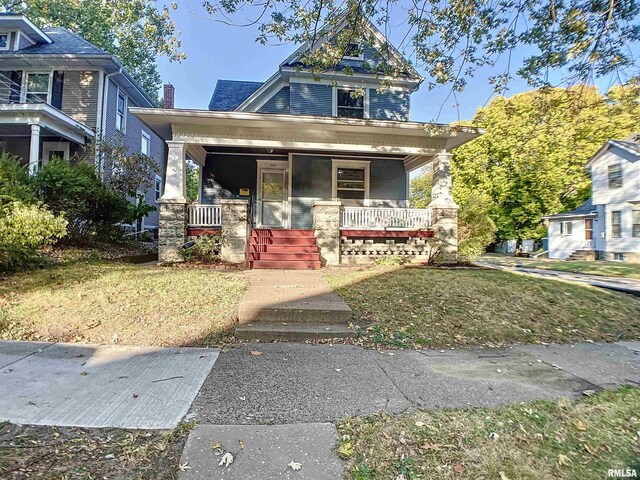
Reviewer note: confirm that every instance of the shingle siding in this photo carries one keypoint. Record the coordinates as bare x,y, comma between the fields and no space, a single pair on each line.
311,99
389,105
80,96
279,103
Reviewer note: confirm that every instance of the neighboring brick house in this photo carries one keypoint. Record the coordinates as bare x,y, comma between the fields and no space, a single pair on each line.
607,226
58,92
301,171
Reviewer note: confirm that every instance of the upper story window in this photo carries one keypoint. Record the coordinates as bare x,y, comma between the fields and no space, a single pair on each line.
566,228
4,40
615,224
121,112
636,224
37,88
353,51
349,105
615,176
145,144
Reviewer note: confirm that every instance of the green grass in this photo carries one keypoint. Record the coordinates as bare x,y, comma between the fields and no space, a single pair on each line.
544,440
104,302
437,307
608,269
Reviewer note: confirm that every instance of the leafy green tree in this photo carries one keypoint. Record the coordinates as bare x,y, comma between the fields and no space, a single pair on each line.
135,31
193,181
453,39
420,191
531,159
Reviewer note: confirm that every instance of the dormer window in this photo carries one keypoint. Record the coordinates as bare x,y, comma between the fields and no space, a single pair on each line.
4,40
349,105
353,51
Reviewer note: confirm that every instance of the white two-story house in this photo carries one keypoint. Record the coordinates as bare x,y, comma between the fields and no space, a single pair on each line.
607,226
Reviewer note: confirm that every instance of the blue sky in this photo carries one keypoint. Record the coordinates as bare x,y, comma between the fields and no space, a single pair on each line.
217,51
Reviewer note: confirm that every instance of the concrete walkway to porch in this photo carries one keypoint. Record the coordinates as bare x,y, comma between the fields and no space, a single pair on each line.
291,305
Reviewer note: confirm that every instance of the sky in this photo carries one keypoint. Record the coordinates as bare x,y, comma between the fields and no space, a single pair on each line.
217,51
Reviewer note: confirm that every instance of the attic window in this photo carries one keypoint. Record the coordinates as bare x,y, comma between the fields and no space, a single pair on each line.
4,41
353,51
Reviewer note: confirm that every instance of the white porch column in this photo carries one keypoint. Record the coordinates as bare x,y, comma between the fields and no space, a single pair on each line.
444,211
175,185
34,149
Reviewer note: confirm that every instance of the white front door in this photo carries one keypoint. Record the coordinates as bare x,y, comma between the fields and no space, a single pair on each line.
272,197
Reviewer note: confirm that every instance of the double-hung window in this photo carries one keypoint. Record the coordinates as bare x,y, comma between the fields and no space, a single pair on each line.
349,103
121,112
158,188
145,143
636,223
615,224
351,181
615,175
37,88
566,228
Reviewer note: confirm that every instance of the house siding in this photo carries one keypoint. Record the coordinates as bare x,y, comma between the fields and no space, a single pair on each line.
389,105
562,247
388,184
311,99
310,181
279,103
80,96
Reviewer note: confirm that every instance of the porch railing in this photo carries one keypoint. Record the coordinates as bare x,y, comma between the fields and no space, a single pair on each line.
385,218
205,215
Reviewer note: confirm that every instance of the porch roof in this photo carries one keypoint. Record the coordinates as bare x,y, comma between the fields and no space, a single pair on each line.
249,129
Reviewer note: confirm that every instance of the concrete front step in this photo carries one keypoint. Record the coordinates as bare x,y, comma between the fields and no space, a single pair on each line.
323,309
296,332
286,264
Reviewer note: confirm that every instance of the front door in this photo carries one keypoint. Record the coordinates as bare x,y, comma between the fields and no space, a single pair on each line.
273,197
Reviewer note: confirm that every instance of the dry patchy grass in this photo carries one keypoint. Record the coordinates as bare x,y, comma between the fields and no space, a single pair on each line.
561,440
437,307
609,269
100,302
29,451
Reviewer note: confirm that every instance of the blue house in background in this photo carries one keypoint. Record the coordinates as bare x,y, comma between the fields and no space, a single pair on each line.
310,168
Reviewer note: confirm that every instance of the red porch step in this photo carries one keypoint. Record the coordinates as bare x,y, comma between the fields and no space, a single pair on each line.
293,249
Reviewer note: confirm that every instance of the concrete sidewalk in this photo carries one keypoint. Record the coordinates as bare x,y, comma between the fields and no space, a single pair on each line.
619,284
99,385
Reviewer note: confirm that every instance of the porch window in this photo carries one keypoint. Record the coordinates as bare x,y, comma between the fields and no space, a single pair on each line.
351,181
4,41
566,228
636,223
349,105
615,224
588,229
615,176
121,112
37,88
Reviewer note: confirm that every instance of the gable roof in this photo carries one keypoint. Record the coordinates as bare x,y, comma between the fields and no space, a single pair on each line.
628,144
63,42
585,210
229,94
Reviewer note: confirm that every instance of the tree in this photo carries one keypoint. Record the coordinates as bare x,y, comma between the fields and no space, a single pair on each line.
531,159
453,39
476,229
135,31
193,181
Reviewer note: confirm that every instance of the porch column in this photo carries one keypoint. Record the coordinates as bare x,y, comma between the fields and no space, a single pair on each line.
34,149
326,228
444,211
235,225
172,229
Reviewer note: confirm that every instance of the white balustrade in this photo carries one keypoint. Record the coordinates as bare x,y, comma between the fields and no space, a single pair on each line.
205,215
385,218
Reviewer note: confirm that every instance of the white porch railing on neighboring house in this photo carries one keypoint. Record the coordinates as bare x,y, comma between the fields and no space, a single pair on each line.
385,218
205,215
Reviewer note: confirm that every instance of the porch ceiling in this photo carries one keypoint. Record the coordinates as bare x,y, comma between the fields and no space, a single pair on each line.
255,130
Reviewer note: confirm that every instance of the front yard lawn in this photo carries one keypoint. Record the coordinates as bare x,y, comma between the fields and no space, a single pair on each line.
544,440
608,269
439,307
104,302
31,451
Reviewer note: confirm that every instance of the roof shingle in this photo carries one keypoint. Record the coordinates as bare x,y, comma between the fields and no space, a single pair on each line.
229,94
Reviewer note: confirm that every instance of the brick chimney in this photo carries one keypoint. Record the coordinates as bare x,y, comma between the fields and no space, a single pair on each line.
169,96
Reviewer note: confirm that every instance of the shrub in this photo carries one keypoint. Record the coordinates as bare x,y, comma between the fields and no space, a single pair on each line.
22,229
476,229
15,184
205,249
74,191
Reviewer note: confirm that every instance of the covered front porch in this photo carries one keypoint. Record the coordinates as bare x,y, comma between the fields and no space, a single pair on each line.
344,182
